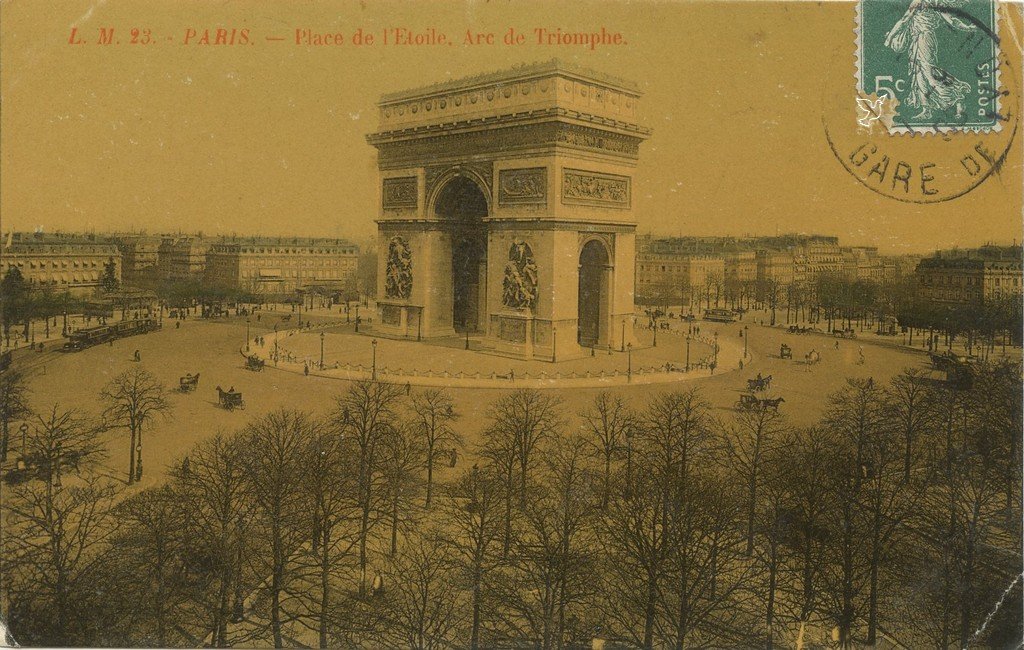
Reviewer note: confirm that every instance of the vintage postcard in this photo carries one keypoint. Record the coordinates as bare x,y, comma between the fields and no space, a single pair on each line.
533,324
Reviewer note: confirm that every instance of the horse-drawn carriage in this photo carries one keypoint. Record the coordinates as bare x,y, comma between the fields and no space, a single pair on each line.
230,399
254,363
812,358
785,352
188,383
797,329
759,383
848,333
749,401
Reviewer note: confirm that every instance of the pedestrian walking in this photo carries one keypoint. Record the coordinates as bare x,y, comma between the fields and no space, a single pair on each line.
306,369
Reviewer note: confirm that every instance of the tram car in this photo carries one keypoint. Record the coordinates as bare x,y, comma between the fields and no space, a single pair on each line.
90,336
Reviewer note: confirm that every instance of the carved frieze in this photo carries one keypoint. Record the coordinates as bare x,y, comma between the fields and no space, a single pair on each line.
519,186
594,188
399,192
504,139
398,280
594,139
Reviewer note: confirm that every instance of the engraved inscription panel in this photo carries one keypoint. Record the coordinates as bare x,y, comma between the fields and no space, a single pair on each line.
513,330
391,314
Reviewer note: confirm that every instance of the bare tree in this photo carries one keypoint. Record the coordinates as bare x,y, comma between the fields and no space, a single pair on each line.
608,423
435,413
754,435
402,460
907,398
366,414
60,532
527,418
424,602
150,549
804,470
134,398
14,396
211,484
636,543
332,498
474,525
274,460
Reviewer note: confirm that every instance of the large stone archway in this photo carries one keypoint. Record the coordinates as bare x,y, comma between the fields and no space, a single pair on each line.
594,283
499,196
462,207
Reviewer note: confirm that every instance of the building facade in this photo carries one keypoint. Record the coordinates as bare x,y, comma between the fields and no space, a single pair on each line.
73,263
972,276
140,255
280,267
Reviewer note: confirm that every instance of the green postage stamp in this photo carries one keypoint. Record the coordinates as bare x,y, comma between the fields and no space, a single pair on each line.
926,66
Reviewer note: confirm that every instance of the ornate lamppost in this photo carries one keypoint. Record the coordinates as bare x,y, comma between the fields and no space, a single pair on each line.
373,375
629,362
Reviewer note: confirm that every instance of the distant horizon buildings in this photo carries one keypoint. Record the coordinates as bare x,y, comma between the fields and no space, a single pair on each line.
677,268
269,266
59,262
976,276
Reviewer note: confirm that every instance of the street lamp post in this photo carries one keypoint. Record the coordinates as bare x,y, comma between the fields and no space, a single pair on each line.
716,348
357,318
419,325
246,333
655,321
64,332
746,337
373,374
687,353
629,362
467,338
321,350
623,349
275,345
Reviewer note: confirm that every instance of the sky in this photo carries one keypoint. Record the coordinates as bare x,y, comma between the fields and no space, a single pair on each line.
269,137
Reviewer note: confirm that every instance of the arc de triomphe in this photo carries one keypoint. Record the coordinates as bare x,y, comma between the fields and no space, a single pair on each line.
507,210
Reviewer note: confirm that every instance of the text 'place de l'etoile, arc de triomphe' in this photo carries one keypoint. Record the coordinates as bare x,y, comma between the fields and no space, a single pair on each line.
506,211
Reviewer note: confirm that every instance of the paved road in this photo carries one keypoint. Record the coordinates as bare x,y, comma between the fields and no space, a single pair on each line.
212,349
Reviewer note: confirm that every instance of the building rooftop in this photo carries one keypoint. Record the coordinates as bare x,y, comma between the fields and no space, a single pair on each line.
513,74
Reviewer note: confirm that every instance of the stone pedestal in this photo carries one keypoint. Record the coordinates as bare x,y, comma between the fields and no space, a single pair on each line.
512,334
399,319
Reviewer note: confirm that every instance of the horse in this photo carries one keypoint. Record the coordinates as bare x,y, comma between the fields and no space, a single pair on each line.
772,403
759,383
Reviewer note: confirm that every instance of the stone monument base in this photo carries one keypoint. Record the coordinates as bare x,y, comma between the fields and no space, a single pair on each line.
399,319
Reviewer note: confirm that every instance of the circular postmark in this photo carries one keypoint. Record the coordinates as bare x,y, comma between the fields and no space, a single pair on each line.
919,134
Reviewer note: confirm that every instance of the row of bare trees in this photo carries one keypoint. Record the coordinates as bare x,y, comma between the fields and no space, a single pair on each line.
660,524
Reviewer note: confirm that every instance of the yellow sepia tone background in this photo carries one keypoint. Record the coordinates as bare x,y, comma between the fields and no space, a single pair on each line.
269,138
